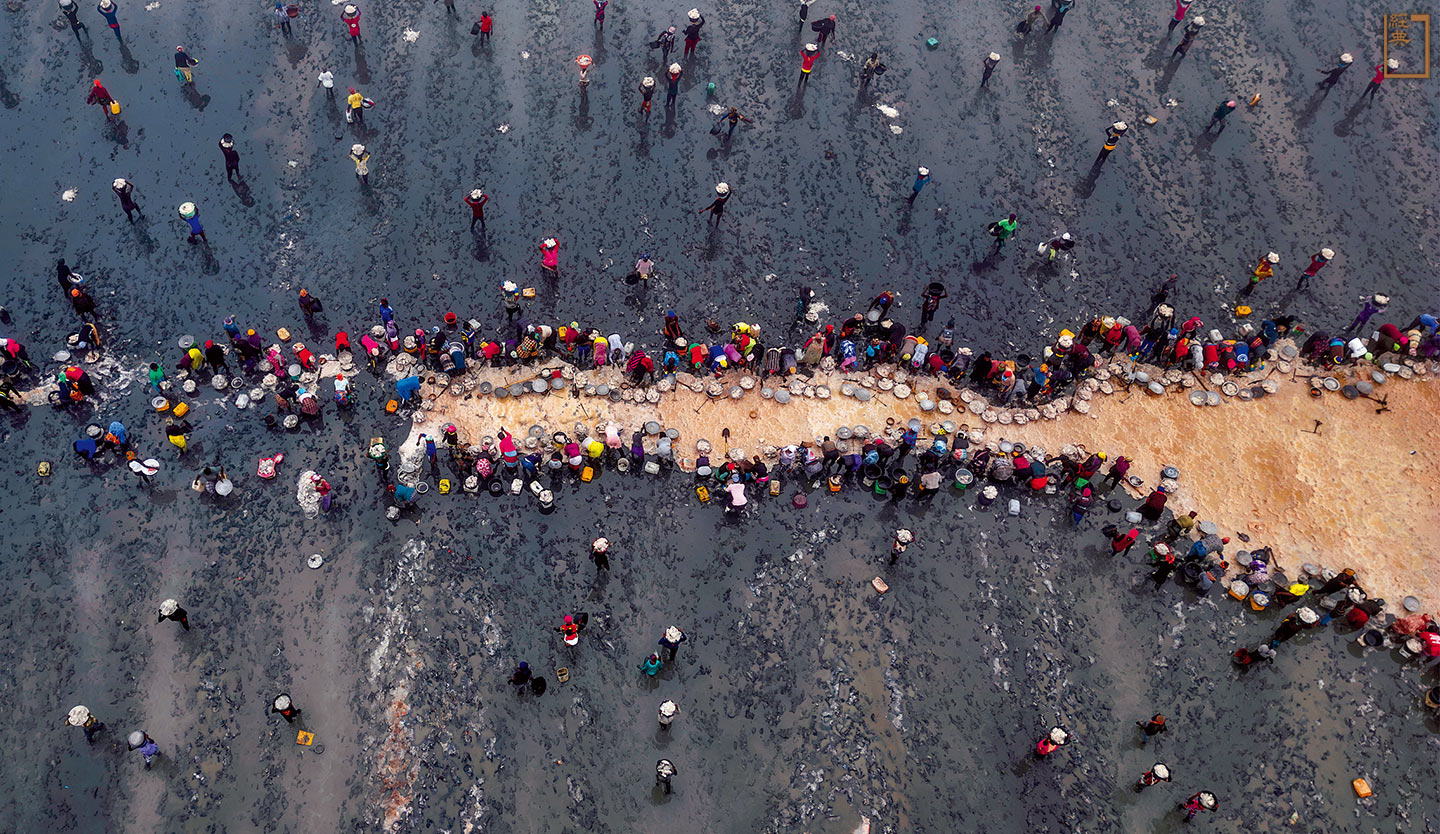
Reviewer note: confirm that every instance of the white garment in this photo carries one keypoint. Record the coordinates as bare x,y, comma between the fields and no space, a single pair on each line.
327,80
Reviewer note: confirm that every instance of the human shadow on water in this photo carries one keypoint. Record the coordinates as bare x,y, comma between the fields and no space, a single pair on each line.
242,190
211,266
668,129
1086,186
143,238
583,120
295,53
120,132
362,67
1346,125
197,101
127,61
1167,76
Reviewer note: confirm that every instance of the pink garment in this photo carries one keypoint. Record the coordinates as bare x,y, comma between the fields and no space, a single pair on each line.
550,256
599,350
1181,7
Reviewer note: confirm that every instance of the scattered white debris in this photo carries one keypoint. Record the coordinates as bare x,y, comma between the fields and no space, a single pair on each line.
293,164
525,55
716,109
1112,103
843,55
503,128
890,112
410,35
150,7
897,129
68,195
1170,102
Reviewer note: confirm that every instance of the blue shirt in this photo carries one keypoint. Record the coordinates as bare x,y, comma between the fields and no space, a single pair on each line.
110,15
195,227
920,182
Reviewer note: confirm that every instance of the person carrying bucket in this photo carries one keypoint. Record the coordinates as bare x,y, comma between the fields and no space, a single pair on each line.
1054,740
569,631
141,741
902,540
171,610
1201,801
1155,775
286,707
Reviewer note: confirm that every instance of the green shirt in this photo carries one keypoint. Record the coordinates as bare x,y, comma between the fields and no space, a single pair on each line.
156,376
1006,227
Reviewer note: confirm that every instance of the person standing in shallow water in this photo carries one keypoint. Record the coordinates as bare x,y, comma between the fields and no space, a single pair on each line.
350,15
191,216
1181,7
1332,75
110,12
171,610
670,641
361,158
922,176
1151,728
232,157
1062,8
692,32
1374,86
101,96
807,61
1222,110
141,741
476,200
125,190
1003,230
1191,30
287,709
72,16
717,206
184,66
672,88
647,91
664,772
991,62
599,554
550,256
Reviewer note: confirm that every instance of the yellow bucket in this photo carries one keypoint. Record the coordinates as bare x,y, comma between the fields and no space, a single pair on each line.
180,409
587,474
702,493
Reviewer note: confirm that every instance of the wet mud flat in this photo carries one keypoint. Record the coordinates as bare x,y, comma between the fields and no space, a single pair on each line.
807,700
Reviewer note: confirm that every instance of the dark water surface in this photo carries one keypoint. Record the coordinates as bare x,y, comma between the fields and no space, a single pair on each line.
806,700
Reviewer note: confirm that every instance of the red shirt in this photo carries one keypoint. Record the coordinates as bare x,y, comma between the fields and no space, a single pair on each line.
486,23
807,60
1379,74
1315,265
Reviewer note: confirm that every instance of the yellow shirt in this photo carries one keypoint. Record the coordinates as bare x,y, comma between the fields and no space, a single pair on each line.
356,101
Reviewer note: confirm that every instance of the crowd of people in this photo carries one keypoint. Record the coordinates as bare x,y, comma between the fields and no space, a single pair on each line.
906,465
